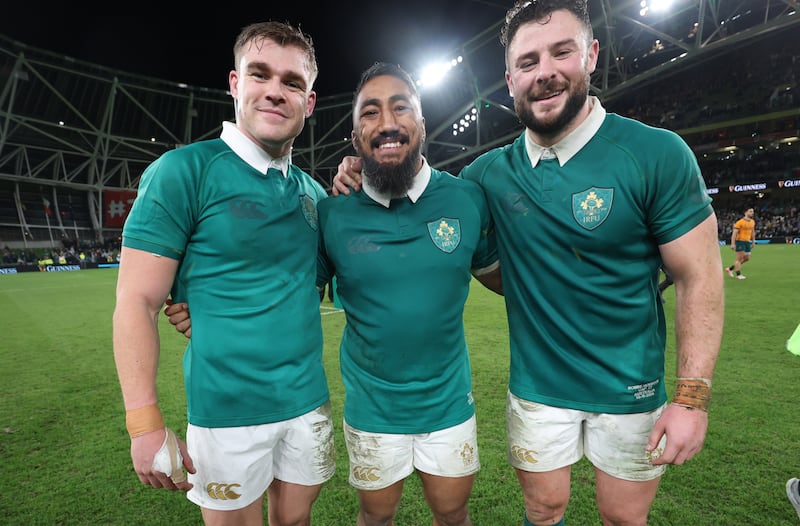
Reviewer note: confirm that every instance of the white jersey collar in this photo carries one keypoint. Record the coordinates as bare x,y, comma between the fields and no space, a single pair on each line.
570,145
250,152
420,183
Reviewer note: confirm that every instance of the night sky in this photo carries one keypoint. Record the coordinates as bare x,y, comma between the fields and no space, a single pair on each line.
196,48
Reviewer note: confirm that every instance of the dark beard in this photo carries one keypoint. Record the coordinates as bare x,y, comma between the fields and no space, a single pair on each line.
392,179
575,102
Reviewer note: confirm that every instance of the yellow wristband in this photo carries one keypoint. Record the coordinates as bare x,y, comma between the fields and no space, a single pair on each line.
143,420
694,393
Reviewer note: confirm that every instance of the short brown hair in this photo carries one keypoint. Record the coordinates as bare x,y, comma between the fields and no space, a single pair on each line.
283,34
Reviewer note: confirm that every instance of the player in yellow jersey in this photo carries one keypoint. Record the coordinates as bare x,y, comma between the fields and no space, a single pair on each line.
743,239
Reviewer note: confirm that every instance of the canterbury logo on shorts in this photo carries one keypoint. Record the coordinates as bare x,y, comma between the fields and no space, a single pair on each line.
366,473
222,491
525,455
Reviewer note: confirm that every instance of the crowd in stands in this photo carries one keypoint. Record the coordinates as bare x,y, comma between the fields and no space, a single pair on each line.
766,165
774,219
764,80
73,253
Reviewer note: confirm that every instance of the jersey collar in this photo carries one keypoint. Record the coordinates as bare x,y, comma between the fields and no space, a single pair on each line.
250,153
420,183
567,147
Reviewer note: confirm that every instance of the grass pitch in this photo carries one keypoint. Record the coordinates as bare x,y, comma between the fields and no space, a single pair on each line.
64,447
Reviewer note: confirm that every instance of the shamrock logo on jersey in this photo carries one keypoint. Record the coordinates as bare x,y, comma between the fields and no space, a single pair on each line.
591,207
445,233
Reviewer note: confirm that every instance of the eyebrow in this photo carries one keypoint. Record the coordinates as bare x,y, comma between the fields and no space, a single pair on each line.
394,98
560,43
263,66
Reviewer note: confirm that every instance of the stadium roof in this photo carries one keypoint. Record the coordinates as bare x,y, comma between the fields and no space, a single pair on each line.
66,121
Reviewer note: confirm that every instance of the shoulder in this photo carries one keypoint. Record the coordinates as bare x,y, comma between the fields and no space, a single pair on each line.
453,186
308,184
653,150
626,130
338,202
196,150
502,157
186,163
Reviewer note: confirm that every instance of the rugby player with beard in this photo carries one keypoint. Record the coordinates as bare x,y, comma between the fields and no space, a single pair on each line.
587,206
404,252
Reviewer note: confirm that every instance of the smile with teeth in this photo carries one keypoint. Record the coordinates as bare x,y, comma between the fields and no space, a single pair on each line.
390,145
550,95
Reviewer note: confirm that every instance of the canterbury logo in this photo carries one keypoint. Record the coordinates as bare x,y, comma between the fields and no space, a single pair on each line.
247,209
366,473
525,455
220,491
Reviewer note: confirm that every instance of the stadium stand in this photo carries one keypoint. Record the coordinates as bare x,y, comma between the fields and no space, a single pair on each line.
74,134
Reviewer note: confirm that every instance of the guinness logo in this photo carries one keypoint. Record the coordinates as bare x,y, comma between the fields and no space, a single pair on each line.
222,491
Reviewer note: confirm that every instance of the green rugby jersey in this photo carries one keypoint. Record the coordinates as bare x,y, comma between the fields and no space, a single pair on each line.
403,275
578,246
247,246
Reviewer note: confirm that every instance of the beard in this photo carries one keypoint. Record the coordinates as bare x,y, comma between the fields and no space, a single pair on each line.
393,179
551,128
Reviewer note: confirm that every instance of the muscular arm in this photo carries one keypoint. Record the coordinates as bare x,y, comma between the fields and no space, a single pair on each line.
142,286
695,264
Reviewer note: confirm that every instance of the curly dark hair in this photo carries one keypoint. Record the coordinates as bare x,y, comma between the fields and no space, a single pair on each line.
525,11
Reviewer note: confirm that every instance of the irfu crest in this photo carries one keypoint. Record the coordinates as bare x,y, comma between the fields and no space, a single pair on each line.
445,233
309,208
591,207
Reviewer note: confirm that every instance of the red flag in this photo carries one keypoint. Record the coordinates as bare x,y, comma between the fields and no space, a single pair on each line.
46,204
117,205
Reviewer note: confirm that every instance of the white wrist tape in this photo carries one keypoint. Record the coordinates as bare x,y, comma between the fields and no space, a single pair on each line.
168,459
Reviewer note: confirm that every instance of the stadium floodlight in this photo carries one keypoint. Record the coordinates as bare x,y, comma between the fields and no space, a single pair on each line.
657,6
465,121
433,73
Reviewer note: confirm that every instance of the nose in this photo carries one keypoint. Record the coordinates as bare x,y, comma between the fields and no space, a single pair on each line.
546,69
388,122
273,89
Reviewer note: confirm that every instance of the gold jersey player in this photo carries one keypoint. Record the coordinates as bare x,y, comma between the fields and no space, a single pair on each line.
743,238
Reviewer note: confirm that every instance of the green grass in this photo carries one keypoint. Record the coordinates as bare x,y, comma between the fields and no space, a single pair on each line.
64,450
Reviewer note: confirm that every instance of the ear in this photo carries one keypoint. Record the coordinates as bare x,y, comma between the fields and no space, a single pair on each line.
509,84
233,83
354,142
311,102
591,59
